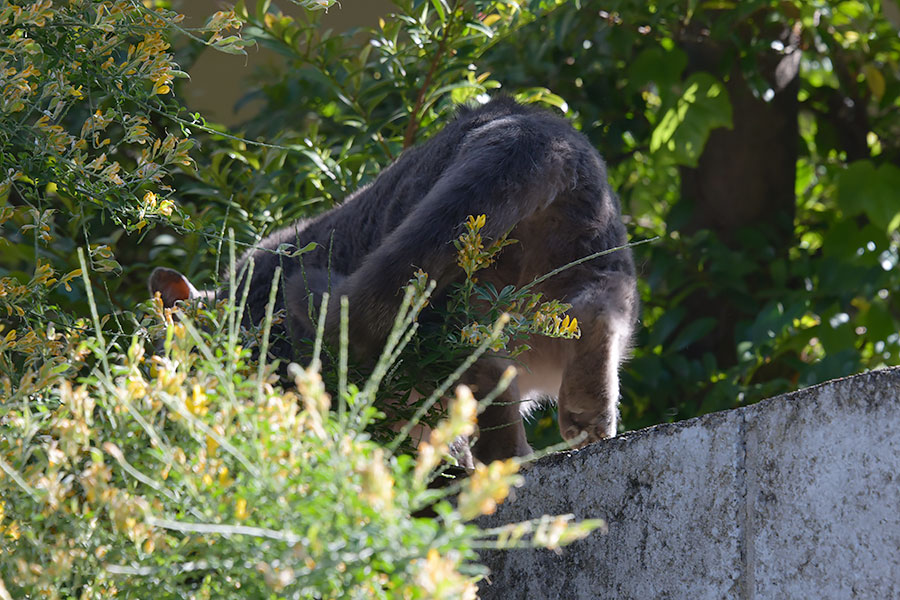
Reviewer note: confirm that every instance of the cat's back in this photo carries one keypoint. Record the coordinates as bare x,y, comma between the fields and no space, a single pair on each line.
348,232
371,213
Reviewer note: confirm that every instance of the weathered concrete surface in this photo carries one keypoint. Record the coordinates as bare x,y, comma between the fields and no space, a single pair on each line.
795,497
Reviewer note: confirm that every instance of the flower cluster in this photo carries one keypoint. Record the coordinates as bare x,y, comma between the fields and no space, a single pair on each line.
471,253
190,456
528,315
460,422
548,319
150,454
34,353
488,486
81,82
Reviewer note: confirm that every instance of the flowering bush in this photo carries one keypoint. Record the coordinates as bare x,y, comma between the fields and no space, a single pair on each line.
148,453
193,470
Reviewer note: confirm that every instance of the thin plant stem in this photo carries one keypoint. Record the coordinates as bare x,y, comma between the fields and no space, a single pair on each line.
439,392
584,259
15,476
267,330
94,314
343,352
320,332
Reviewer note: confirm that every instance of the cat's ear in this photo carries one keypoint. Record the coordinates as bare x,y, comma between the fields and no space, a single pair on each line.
172,286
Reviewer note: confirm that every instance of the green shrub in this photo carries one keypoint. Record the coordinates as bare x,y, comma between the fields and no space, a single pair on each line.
193,472
787,297
190,469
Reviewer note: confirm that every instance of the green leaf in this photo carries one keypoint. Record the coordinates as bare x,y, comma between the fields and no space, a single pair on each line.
461,92
439,8
846,241
542,95
665,325
874,192
452,87
231,45
262,7
657,66
478,26
846,12
693,332
879,322
59,369
683,130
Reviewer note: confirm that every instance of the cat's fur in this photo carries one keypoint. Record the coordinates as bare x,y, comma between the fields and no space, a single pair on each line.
530,172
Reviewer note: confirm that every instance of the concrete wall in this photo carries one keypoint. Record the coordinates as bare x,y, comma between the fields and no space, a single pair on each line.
794,497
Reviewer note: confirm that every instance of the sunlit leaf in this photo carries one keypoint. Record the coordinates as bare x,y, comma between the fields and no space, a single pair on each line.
440,9
683,130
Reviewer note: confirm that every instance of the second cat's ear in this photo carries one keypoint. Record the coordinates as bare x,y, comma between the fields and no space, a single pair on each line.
172,286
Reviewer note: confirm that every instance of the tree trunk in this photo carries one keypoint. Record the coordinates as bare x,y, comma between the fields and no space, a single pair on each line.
744,178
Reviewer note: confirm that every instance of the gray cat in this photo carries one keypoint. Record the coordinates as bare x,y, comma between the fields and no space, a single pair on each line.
530,172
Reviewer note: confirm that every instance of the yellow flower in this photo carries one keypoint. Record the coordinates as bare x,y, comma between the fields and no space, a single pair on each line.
240,509
488,486
224,478
438,576
377,483
211,446
166,207
12,531
426,460
197,404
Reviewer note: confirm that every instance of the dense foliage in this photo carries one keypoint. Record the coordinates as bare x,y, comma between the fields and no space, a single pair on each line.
757,139
143,453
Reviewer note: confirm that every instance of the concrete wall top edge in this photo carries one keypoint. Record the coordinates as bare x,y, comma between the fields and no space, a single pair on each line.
796,496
